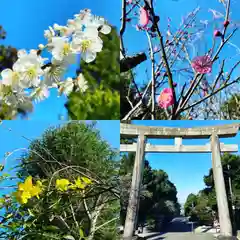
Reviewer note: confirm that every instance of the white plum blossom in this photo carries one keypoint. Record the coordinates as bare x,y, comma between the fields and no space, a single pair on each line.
63,30
49,34
16,98
61,50
99,22
83,18
53,73
29,68
66,87
81,83
79,39
88,44
11,78
86,20
40,93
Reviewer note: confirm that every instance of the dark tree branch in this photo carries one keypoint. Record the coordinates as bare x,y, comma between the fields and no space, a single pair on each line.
129,63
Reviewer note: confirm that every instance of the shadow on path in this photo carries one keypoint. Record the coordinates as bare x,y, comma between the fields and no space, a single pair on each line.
180,224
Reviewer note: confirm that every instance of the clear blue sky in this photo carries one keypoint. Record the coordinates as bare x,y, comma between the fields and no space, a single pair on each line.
11,140
185,170
26,20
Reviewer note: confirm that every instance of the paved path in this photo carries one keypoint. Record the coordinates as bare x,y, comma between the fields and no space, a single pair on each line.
178,229
185,236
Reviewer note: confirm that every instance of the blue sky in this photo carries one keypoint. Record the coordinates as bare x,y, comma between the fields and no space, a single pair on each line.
185,170
11,140
26,20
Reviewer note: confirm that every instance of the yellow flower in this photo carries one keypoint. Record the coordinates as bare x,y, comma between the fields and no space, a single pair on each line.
35,191
27,190
78,184
27,185
39,184
25,196
62,184
22,197
81,183
86,180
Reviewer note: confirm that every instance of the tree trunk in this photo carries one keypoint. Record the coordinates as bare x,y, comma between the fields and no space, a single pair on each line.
94,219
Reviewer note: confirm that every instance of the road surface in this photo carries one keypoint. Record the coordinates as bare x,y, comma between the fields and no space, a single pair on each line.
185,236
178,229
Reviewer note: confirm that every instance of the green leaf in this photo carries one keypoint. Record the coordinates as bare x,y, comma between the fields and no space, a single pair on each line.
69,237
81,233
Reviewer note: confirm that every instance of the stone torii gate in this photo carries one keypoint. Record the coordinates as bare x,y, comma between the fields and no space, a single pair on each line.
214,147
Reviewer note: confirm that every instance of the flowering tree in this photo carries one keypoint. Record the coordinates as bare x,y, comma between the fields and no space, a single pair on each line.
185,82
65,192
34,73
8,55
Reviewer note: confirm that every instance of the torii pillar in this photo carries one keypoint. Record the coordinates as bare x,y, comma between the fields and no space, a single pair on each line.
134,195
221,195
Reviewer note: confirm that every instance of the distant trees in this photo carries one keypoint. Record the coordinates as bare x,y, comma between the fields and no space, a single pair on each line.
231,108
158,201
202,207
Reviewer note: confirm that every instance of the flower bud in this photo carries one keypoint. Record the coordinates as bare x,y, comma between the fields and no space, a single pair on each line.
226,23
217,33
41,46
144,17
56,26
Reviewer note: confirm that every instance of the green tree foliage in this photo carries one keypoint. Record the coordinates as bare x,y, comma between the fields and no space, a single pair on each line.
203,206
197,207
158,193
190,203
69,151
102,100
231,108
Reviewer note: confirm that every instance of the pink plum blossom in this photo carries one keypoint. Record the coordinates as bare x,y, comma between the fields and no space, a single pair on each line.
144,17
202,64
165,99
